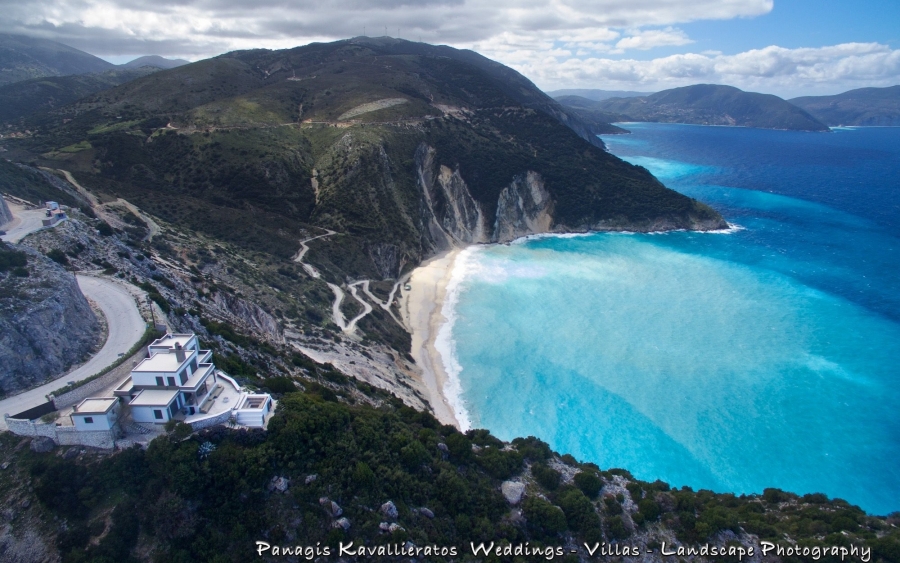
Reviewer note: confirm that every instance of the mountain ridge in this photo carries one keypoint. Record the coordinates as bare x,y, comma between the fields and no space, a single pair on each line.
23,57
863,106
712,104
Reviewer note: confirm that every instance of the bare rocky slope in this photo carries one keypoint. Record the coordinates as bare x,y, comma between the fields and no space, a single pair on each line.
46,324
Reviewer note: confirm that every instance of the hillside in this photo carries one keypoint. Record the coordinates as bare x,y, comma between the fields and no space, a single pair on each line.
329,474
24,57
864,106
588,109
711,104
378,153
26,97
353,136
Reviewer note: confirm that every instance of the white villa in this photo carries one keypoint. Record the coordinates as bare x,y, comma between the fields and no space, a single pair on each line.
176,381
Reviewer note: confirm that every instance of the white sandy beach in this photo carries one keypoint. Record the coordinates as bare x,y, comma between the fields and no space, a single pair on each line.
422,306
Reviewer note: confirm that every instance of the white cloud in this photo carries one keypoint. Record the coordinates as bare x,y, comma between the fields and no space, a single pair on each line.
556,43
650,38
208,27
787,72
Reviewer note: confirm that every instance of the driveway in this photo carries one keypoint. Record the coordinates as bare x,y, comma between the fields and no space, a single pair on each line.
24,221
126,326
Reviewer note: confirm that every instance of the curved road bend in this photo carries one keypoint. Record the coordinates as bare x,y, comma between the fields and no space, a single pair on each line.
126,326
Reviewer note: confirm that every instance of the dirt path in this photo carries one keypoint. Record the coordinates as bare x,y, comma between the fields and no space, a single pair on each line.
336,314
386,305
101,207
351,326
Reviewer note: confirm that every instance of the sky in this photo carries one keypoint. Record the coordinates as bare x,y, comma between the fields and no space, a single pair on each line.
783,47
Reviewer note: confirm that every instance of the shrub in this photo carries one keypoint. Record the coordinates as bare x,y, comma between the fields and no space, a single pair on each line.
11,259
280,385
546,476
58,256
544,519
589,483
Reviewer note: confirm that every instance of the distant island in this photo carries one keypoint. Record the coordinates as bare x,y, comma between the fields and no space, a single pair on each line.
595,94
701,104
864,106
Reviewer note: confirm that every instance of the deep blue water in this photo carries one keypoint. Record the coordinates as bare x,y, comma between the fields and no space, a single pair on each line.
767,357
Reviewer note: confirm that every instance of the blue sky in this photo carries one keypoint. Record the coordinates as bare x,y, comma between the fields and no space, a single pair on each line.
803,23
784,47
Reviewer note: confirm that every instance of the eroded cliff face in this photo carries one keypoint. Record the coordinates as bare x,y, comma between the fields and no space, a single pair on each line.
450,214
46,324
453,218
523,208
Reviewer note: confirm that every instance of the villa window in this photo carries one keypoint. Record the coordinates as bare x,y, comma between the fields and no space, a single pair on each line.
171,381
159,381
183,376
157,414
89,420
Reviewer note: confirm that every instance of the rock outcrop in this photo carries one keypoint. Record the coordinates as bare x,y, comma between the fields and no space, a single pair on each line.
46,324
512,491
453,218
5,213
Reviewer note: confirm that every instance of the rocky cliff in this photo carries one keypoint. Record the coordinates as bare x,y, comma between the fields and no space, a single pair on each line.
452,217
46,324
5,214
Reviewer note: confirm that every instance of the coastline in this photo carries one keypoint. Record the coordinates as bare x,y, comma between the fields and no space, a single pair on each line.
422,311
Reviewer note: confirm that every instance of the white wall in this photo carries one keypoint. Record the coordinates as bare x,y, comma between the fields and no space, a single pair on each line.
145,414
101,421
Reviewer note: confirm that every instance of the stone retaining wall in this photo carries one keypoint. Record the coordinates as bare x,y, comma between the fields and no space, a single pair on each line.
62,435
92,388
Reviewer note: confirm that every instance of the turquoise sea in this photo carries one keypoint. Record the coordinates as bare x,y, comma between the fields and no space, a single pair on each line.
767,356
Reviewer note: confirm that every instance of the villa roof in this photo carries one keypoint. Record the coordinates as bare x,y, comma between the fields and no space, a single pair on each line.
170,340
154,398
163,362
95,405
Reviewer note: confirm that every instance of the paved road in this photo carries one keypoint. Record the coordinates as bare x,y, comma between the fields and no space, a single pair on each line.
126,326
24,221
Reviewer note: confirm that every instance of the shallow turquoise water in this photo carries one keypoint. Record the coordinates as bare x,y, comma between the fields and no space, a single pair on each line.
764,357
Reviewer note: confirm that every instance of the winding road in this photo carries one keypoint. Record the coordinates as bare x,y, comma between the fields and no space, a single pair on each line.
126,327
336,314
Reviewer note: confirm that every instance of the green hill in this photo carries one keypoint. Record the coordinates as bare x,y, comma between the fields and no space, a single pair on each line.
864,106
712,104
253,146
24,57
26,97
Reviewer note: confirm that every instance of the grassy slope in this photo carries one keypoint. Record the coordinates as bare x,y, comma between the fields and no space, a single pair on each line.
27,97
251,126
